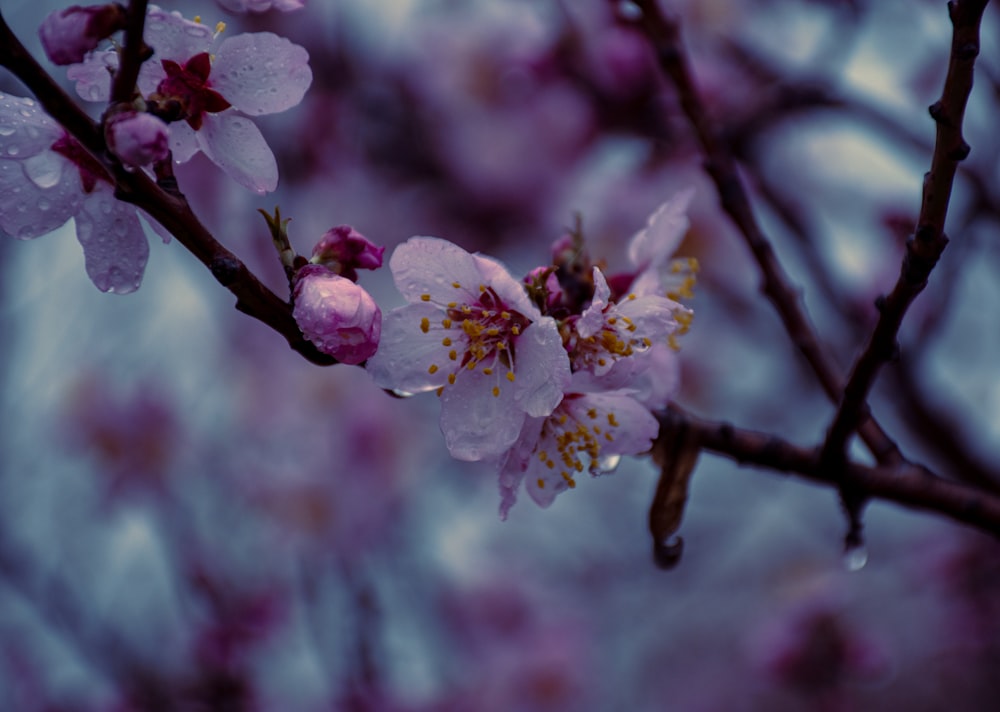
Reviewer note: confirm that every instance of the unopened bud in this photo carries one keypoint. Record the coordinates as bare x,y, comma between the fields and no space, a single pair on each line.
336,314
68,35
138,138
344,250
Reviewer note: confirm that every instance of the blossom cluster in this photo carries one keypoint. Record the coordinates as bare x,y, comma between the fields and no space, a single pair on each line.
546,377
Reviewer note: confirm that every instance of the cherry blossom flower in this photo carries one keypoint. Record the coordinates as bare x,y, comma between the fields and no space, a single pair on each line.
586,431
336,314
471,331
46,178
67,35
208,87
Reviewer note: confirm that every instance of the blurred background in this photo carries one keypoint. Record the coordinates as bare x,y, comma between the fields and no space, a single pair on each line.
194,518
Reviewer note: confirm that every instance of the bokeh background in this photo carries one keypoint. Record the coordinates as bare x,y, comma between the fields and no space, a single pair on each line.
194,518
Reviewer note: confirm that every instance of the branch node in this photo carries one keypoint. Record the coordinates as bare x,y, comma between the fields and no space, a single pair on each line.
960,152
967,52
936,110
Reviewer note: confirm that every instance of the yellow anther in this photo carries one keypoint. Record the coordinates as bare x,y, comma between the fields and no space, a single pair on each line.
466,309
612,420
425,297
543,456
446,341
482,287
646,342
502,345
488,371
592,413
631,296
505,315
496,391
493,331
541,483
425,325
613,320
439,391
510,376
515,330
601,362
571,483
456,285
550,464
472,365
446,323
220,27
453,355
197,18
432,368
607,436
451,379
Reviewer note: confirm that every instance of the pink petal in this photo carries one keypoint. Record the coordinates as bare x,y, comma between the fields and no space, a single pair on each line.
405,354
115,248
430,265
475,423
36,205
236,145
541,368
261,73
663,233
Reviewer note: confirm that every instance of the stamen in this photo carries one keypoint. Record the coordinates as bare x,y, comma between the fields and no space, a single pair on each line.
496,391
510,376
451,379
425,325
432,368
446,341
425,297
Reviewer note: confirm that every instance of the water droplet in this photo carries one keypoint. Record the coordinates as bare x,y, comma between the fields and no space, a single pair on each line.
400,393
44,169
6,130
855,557
13,150
43,204
606,464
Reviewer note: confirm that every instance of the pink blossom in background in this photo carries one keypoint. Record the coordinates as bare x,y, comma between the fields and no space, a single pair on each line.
46,178
261,5
469,329
68,35
336,314
218,83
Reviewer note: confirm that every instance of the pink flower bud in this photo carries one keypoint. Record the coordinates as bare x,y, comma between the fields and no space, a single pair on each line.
67,35
345,250
138,138
336,314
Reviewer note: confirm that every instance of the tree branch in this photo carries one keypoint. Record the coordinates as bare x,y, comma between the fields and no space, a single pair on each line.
909,485
929,241
170,210
664,34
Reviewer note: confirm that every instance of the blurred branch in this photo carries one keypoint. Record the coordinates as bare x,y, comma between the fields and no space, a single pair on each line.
911,486
929,240
133,53
170,209
664,34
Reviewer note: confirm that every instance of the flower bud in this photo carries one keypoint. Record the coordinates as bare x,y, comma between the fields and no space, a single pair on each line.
137,138
344,250
67,35
336,314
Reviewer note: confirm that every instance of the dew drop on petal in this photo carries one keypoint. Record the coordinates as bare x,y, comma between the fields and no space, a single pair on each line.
13,150
400,393
6,130
44,169
607,464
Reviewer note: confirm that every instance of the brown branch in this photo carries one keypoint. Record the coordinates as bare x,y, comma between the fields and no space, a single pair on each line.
170,210
664,35
133,53
909,485
929,241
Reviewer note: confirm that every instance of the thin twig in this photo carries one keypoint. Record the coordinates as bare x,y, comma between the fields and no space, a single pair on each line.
170,210
911,486
665,37
929,241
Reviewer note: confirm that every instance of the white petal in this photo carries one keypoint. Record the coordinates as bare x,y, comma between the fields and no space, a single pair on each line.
541,368
430,265
475,423
663,233
405,353
235,144
115,248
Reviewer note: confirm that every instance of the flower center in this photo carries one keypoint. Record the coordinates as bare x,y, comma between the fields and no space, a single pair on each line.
573,432
480,334
186,93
